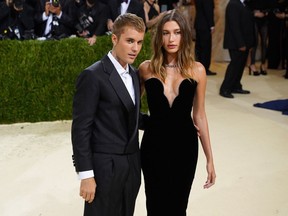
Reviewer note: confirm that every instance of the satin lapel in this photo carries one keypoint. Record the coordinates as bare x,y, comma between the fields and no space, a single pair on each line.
117,83
136,84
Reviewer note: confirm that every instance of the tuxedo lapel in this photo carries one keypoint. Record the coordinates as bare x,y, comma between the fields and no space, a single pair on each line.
117,83
136,85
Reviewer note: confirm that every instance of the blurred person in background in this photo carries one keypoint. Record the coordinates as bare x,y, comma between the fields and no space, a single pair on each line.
166,5
205,27
117,7
282,14
276,33
239,38
152,14
260,10
91,21
55,19
16,20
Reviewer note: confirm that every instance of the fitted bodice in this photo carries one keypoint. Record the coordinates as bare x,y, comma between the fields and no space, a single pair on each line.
159,107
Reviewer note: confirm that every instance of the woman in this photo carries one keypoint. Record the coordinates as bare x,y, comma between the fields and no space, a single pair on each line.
174,83
152,13
260,10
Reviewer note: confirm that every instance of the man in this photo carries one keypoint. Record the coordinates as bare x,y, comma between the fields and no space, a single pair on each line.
239,37
92,20
55,19
16,20
204,27
118,7
282,14
105,125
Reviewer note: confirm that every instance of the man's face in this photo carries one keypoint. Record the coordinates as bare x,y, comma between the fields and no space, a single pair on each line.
127,47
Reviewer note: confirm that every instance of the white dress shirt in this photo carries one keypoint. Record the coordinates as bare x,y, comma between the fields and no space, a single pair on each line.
124,6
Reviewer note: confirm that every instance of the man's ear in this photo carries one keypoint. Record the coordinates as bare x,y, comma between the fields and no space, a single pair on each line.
114,39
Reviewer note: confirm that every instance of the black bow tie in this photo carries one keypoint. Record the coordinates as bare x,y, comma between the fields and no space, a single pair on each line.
126,1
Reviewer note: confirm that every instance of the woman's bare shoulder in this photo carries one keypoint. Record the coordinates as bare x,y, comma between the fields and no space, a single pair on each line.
145,65
144,68
198,70
198,67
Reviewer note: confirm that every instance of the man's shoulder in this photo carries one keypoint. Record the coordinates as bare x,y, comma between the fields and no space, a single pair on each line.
94,66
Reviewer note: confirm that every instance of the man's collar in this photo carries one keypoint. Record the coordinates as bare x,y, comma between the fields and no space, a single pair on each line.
117,65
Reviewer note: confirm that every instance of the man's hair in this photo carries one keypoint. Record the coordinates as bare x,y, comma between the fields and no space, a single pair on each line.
128,20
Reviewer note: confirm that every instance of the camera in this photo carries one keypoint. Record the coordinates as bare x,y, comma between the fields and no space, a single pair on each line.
55,3
84,22
12,32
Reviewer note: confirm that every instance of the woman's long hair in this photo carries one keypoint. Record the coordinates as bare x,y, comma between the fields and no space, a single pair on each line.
185,58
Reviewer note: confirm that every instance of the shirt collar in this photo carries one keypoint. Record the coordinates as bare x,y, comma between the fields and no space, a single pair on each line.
117,65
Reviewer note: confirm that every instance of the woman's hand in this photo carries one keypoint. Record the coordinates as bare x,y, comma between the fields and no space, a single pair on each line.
211,176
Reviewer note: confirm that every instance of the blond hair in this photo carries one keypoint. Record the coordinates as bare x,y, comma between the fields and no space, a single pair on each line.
125,20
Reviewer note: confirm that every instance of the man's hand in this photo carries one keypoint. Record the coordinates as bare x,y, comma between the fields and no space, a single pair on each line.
110,24
88,189
92,40
47,8
55,10
9,2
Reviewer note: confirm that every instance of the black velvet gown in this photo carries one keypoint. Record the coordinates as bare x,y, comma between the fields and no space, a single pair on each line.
169,149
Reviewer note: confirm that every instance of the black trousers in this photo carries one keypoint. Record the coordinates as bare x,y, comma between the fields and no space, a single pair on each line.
203,45
118,179
234,71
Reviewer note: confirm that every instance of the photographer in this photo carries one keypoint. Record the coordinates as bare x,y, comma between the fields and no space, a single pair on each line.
92,19
16,20
282,14
55,18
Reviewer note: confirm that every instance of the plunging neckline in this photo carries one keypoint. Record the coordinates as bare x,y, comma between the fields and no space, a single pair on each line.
178,88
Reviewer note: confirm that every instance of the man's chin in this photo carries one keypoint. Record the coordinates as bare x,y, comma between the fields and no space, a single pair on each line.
130,60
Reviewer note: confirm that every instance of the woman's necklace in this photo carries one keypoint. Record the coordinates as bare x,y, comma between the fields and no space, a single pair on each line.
171,65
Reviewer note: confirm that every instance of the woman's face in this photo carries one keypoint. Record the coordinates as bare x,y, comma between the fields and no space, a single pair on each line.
171,36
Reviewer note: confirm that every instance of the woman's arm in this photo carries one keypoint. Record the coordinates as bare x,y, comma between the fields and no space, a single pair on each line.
200,120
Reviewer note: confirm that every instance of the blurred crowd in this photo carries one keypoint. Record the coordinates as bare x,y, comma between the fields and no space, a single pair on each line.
56,19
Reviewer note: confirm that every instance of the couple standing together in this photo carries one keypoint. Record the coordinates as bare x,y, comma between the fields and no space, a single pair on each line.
106,119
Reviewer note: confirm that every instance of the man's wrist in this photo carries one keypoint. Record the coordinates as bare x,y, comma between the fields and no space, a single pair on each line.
85,174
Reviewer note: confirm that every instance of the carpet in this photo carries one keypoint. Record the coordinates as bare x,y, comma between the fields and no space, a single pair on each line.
278,105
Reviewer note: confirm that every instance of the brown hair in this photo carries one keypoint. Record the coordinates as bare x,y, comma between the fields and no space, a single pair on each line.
128,19
185,57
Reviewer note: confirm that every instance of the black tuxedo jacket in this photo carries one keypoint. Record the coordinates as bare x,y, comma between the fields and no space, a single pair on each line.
135,7
239,26
105,119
